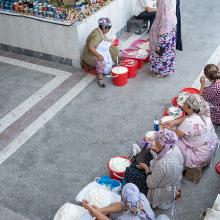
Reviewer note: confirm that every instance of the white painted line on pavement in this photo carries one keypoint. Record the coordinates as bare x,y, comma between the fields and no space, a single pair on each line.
21,109
40,68
11,148
16,113
215,58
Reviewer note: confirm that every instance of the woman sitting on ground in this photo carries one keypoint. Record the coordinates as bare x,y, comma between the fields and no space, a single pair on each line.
146,10
212,93
98,49
197,137
134,206
161,180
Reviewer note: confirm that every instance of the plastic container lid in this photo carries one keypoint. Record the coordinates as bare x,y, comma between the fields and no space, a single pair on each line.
190,90
217,167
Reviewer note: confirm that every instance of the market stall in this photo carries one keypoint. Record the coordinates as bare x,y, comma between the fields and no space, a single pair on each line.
59,31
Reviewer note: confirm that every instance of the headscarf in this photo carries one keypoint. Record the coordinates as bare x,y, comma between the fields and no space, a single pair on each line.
197,103
105,22
135,202
164,22
167,139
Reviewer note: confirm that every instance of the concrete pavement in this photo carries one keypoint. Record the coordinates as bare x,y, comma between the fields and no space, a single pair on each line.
71,149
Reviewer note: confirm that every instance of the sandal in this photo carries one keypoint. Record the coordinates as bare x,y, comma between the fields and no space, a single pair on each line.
178,194
157,75
101,83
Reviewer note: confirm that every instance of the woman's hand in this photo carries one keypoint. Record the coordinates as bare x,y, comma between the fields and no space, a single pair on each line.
169,124
143,166
86,205
202,81
100,58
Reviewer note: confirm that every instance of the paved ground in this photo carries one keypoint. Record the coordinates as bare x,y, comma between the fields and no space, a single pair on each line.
62,141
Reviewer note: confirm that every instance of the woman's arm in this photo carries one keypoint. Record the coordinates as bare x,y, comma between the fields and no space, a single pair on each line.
114,208
202,82
95,212
179,133
149,9
99,216
173,123
95,53
155,178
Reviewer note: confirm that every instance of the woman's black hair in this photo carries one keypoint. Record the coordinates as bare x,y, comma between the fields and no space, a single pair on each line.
104,27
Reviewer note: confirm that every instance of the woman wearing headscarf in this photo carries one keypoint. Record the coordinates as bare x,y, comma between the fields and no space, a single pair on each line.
163,39
134,206
162,178
197,137
98,49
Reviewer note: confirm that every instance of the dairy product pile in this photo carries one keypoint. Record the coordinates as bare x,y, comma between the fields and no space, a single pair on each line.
175,112
139,54
99,197
72,212
144,45
119,69
119,164
150,135
166,119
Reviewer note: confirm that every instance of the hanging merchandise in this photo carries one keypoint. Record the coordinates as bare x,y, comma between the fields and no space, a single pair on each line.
66,11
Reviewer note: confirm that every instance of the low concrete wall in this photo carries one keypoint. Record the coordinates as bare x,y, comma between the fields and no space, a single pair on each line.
58,40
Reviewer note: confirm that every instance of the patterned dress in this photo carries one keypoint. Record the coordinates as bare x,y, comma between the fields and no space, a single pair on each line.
212,95
200,140
164,64
166,175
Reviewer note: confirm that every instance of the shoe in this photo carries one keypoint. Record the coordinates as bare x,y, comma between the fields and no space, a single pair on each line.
178,194
157,75
101,83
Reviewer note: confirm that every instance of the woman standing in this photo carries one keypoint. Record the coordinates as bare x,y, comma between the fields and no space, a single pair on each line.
146,10
212,93
163,39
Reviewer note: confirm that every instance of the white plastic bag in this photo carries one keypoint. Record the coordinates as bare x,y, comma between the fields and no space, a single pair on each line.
72,212
97,195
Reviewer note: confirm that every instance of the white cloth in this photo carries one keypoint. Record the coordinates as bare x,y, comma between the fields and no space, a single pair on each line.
103,49
142,4
72,212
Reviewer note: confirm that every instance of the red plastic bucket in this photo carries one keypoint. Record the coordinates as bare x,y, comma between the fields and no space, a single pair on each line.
174,101
147,60
116,175
120,75
132,67
140,62
217,167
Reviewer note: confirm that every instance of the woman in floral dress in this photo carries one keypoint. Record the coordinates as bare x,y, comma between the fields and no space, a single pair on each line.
163,39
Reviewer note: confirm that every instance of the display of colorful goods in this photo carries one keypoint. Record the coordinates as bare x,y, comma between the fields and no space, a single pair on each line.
70,10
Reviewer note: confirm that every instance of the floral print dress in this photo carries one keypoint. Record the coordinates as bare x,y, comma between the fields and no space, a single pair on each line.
212,95
164,64
200,141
